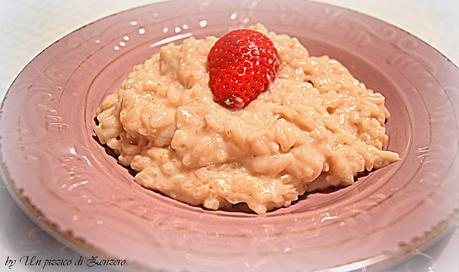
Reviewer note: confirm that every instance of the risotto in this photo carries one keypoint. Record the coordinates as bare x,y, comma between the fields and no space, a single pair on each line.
315,127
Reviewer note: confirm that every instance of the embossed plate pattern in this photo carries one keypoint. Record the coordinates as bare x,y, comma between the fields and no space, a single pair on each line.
68,184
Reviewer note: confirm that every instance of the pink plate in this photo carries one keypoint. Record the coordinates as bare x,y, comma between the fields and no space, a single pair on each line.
70,186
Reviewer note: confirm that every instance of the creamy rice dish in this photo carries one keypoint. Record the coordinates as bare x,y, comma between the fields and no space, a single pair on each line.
315,127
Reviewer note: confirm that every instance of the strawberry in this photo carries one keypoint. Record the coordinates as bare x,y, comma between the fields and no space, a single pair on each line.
241,65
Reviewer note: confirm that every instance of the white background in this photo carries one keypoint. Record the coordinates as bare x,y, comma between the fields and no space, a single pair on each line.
27,27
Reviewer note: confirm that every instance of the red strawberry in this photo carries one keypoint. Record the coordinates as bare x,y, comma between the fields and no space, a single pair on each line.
242,63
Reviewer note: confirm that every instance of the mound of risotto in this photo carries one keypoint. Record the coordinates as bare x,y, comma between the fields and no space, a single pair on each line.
314,127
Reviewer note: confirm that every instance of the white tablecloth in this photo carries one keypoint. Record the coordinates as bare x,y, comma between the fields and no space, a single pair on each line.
27,27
